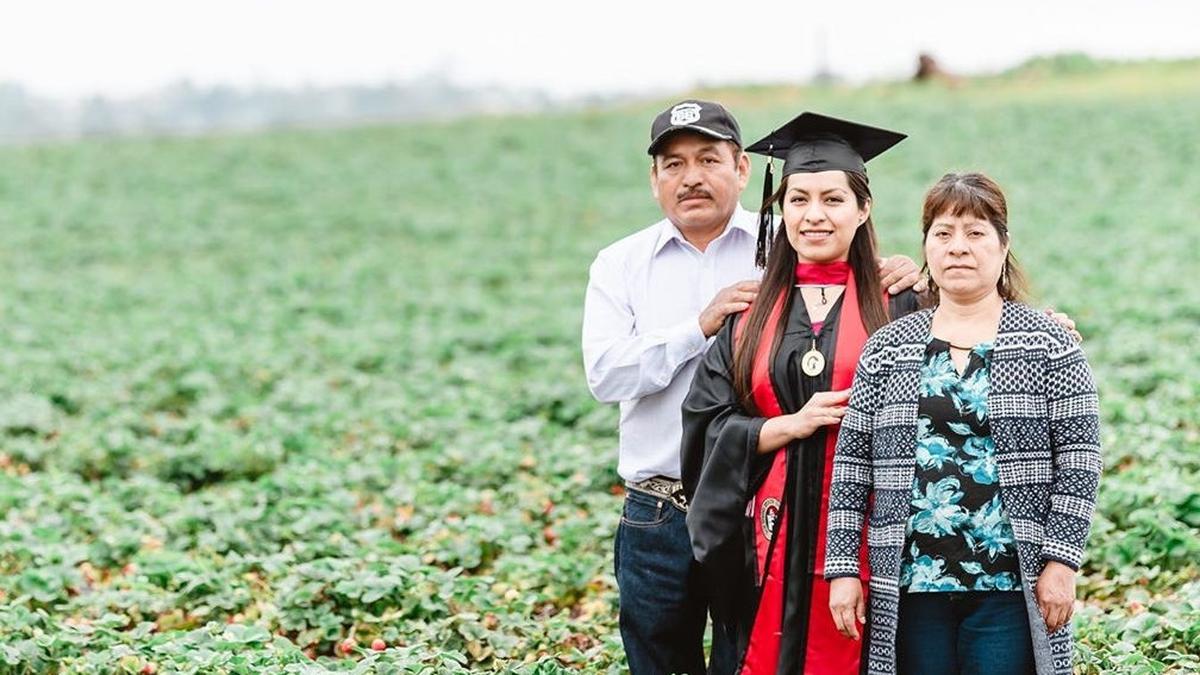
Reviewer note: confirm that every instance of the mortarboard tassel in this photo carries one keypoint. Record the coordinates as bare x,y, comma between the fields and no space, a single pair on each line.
766,217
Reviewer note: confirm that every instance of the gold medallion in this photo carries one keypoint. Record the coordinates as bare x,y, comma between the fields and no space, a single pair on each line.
813,362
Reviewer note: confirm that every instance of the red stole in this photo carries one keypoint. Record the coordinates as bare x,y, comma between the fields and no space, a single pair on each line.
827,650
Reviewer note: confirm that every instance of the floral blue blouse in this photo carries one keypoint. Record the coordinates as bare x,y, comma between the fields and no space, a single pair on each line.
958,537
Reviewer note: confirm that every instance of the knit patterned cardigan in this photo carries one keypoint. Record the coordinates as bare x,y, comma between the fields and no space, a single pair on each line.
1044,419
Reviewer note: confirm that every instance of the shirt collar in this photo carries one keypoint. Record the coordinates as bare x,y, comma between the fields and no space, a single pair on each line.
742,220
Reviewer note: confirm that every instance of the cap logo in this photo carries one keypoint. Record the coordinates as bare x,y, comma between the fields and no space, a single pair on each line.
685,113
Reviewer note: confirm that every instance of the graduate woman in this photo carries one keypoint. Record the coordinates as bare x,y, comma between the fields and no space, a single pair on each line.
760,421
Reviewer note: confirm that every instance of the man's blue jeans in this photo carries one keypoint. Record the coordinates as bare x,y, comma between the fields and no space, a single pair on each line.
663,602
964,633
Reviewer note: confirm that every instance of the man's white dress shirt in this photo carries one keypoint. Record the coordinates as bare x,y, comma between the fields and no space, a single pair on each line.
641,330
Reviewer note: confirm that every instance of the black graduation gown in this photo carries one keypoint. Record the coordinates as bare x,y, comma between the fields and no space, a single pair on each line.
722,470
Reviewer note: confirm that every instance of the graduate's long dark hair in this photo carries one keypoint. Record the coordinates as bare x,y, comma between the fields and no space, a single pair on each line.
779,278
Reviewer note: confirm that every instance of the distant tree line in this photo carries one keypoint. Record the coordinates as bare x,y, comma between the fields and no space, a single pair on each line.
185,108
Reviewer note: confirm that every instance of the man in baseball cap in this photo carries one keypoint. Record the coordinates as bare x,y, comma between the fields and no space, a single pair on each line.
653,301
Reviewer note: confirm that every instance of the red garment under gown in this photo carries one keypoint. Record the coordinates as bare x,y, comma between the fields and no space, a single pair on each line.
827,651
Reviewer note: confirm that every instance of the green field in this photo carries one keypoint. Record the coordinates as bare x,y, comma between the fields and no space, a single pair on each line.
262,394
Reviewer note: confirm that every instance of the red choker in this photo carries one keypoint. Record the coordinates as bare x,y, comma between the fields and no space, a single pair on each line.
823,274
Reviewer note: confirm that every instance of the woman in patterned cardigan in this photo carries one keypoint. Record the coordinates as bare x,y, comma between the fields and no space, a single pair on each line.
974,426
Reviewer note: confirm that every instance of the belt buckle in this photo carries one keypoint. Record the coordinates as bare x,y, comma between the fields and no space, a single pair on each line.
679,499
665,488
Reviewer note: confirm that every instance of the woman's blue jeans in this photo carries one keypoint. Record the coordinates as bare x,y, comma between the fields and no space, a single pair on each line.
964,633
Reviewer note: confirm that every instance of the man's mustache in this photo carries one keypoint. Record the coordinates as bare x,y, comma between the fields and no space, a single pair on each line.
690,194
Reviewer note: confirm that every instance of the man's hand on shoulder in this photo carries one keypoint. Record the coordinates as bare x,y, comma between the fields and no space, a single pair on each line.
1066,322
899,273
729,300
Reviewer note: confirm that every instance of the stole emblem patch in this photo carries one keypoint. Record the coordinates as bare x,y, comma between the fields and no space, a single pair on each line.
770,512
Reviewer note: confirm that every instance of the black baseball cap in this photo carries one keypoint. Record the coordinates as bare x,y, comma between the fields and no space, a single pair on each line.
705,117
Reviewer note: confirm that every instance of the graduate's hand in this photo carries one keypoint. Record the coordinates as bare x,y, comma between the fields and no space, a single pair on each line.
898,273
729,300
1066,322
846,604
823,409
1055,593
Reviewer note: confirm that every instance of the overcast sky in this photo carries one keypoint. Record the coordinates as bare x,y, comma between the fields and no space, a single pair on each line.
124,47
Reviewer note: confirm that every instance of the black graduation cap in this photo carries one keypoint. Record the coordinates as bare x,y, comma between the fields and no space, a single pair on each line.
810,143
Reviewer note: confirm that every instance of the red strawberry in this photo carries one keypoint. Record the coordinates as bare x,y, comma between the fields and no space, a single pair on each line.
378,644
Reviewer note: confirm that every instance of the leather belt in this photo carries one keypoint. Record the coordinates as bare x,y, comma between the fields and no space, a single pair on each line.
662,487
